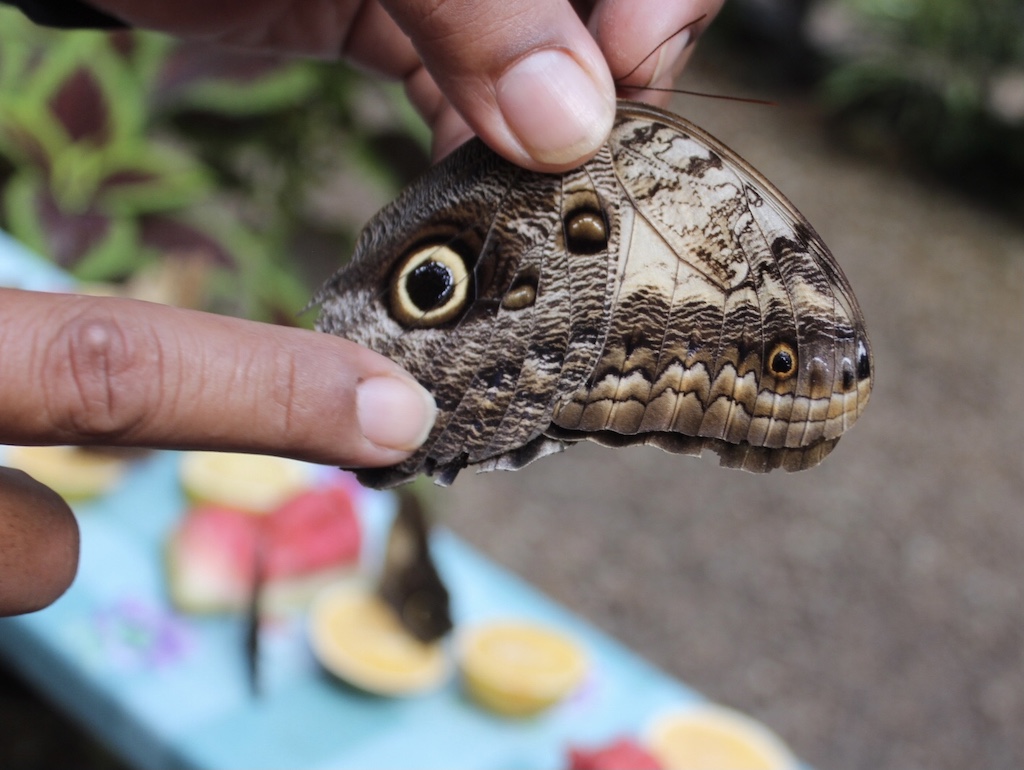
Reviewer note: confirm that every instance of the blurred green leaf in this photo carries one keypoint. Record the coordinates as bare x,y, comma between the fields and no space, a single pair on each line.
118,149
75,174
115,256
223,81
142,178
29,133
88,243
21,206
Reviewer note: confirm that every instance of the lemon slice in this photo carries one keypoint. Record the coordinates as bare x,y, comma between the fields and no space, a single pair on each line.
254,483
358,638
716,738
72,472
519,668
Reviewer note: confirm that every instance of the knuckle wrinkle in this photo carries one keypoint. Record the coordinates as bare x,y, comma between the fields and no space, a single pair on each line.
98,374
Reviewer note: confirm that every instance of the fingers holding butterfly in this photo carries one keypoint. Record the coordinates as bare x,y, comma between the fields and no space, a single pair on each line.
527,77
536,79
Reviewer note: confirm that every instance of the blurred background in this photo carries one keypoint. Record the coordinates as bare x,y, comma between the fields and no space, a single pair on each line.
870,610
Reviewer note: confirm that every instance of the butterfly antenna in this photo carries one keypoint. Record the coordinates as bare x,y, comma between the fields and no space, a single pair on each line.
639,64
683,91
705,95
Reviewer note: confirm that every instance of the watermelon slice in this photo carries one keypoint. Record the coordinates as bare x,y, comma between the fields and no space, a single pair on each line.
311,540
315,530
623,754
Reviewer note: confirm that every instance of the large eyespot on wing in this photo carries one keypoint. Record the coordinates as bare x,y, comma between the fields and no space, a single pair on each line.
509,400
429,286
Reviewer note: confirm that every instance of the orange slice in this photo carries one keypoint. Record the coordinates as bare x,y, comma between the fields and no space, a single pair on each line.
358,638
519,668
72,472
712,737
254,483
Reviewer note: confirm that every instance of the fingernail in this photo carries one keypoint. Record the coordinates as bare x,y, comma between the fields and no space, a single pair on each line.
668,55
555,109
394,412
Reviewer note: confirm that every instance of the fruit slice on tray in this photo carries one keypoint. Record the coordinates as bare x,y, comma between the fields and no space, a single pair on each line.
75,473
621,754
709,737
519,668
309,542
358,637
255,483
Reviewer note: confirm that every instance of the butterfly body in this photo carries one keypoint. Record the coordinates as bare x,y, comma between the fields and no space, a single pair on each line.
663,293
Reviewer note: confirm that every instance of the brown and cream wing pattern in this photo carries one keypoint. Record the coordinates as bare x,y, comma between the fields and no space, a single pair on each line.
733,327
663,293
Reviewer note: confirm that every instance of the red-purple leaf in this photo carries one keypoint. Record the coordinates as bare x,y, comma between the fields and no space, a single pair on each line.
170,235
69,235
80,105
127,176
124,43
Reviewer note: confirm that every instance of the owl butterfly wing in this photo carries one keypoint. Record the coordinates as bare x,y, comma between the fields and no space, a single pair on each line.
733,328
465,281
664,293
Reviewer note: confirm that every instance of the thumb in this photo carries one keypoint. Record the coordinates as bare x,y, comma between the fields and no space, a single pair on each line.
526,76
38,544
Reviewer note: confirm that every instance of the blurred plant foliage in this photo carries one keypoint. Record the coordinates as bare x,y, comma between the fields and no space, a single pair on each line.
121,149
944,78
937,83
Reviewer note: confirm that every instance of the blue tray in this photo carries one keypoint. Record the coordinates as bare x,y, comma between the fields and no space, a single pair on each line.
167,690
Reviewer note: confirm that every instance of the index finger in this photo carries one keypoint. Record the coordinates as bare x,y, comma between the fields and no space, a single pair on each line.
86,370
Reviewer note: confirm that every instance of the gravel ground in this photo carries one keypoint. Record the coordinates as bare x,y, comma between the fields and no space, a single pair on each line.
869,610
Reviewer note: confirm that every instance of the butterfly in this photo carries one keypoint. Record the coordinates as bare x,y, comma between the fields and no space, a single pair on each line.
663,293
410,582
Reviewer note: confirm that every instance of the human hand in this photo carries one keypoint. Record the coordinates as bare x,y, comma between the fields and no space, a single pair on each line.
83,370
531,77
